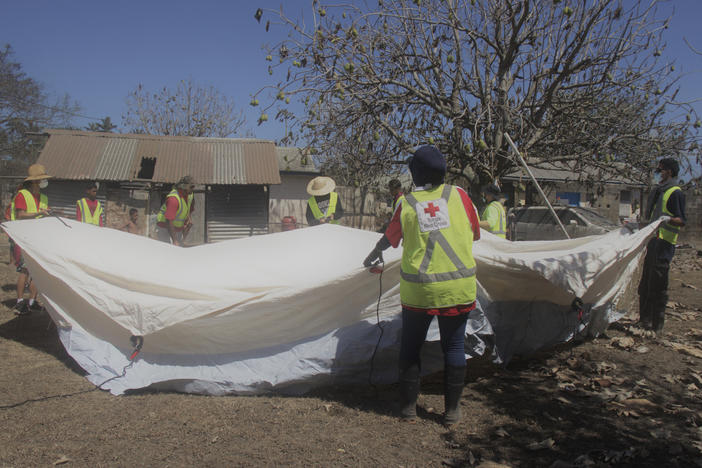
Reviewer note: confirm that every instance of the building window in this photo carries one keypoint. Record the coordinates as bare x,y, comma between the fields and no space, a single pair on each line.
146,171
568,198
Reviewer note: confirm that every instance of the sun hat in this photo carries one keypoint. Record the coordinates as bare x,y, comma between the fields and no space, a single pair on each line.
36,172
321,186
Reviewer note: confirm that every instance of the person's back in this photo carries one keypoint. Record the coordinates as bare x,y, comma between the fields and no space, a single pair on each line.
437,223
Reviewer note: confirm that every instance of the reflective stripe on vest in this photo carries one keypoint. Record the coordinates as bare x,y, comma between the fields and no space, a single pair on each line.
86,216
331,209
30,202
667,231
436,277
183,209
502,218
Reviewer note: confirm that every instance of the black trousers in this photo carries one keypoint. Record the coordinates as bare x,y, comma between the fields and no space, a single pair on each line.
653,288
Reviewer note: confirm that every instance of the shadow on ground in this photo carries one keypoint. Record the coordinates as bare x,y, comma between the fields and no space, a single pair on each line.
38,331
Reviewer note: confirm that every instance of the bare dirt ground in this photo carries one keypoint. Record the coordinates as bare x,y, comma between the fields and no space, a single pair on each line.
619,400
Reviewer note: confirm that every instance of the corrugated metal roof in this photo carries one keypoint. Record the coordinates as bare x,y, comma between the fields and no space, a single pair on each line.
553,173
72,155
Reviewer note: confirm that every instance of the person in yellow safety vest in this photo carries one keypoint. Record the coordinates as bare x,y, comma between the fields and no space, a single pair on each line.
29,203
667,199
324,206
89,209
437,223
174,219
494,218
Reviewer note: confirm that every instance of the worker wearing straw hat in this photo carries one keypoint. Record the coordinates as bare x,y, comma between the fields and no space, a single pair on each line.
324,205
29,203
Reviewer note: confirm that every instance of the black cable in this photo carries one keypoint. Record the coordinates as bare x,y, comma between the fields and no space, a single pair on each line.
377,317
124,372
65,395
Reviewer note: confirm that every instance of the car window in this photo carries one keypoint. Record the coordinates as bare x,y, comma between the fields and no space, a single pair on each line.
596,218
536,216
566,216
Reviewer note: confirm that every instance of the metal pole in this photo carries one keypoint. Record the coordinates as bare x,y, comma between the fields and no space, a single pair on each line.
538,187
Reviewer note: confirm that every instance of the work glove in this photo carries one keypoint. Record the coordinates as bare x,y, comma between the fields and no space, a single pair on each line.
376,254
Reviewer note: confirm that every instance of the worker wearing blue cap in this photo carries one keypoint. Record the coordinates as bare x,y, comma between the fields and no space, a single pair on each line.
437,224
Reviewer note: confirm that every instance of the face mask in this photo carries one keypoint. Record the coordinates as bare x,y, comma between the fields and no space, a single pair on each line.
43,184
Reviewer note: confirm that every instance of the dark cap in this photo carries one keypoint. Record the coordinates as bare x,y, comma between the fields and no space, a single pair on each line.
670,164
427,165
492,189
185,182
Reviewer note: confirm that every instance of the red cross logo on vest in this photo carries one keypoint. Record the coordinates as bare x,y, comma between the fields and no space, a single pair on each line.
431,209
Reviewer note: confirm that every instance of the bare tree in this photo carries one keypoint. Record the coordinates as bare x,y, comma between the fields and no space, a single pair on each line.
189,110
104,125
25,108
580,84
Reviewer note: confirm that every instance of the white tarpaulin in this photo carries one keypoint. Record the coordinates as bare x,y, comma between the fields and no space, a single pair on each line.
292,310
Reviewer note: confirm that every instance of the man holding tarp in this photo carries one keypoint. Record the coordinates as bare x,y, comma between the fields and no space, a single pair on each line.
29,203
174,218
324,206
666,200
438,224
89,209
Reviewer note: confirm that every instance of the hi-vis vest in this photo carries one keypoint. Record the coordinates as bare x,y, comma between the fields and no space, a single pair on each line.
498,230
331,209
183,209
86,216
667,231
438,269
30,202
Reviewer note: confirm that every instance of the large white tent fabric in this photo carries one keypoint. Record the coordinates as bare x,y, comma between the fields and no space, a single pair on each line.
293,310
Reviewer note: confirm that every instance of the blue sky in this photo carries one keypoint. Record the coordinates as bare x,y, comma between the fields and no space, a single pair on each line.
98,51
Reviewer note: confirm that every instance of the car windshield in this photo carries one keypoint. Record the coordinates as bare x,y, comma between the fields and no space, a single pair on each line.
595,218
542,215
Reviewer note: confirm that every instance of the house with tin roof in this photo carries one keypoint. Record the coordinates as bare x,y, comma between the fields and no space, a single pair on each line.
234,178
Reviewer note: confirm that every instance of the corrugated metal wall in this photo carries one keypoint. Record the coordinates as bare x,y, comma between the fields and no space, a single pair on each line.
236,211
